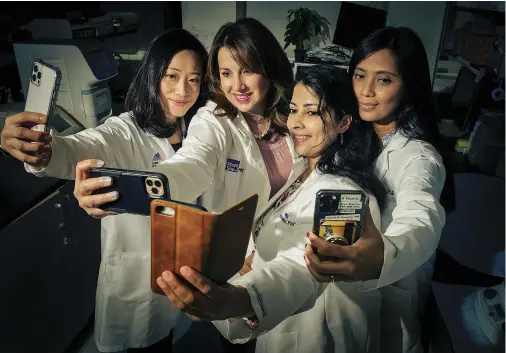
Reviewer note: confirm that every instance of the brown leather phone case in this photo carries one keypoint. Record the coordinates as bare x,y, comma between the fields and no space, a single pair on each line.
214,244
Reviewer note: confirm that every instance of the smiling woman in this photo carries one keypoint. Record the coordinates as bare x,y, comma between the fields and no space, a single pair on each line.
391,80
180,85
165,88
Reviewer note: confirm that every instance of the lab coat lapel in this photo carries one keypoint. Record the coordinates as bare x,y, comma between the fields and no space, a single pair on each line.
383,164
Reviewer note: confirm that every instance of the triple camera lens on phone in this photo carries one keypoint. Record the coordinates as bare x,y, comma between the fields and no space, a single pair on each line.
154,187
36,74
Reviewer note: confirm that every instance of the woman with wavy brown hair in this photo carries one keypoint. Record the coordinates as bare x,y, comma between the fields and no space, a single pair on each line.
237,144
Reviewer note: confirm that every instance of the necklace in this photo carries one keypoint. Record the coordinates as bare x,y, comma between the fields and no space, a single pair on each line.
263,134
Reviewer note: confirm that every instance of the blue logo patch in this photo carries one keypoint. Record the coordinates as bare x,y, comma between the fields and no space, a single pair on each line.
157,158
232,165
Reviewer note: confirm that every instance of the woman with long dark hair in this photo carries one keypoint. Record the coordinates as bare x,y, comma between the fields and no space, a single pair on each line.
279,302
167,88
391,79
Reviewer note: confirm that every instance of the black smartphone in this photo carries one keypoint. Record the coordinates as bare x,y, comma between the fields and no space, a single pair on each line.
339,215
136,189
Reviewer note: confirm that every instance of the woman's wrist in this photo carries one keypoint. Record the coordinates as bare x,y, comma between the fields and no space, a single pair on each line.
242,303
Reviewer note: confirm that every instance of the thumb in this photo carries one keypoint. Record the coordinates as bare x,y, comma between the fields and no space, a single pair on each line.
368,228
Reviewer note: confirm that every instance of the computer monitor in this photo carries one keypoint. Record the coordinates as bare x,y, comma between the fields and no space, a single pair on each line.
462,108
355,22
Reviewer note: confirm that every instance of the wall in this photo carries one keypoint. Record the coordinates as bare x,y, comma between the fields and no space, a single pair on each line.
204,18
426,18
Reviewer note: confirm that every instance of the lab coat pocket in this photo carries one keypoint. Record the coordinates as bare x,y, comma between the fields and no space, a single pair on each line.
279,342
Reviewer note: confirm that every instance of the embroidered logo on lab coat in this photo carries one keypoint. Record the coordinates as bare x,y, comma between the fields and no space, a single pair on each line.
157,158
284,218
233,166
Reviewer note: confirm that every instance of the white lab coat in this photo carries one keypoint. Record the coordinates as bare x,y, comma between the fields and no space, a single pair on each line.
414,174
294,315
128,314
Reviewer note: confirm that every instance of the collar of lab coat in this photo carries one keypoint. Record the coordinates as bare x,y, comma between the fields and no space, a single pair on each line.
397,142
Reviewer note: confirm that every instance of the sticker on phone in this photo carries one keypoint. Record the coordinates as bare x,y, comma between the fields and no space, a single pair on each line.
343,217
337,232
356,205
351,198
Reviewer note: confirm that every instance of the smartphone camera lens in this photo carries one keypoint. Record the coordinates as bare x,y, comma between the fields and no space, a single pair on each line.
36,68
154,191
34,78
39,75
149,182
157,183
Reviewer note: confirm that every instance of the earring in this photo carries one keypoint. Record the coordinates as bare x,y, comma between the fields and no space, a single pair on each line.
342,138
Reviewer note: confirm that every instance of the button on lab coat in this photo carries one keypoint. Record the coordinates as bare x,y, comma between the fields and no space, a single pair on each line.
414,174
127,313
294,315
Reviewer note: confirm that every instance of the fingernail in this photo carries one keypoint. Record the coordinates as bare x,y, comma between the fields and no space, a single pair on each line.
107,181
166,276
100,163
184,271
307,234
113,194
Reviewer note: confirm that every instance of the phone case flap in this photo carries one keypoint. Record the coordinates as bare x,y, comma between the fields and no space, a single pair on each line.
214,244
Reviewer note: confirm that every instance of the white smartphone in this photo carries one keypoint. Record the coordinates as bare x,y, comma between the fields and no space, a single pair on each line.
43,91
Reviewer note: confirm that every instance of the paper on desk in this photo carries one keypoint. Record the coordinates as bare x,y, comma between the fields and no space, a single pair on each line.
456,305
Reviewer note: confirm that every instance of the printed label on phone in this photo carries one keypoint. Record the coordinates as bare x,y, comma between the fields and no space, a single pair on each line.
352,197
356,205
343,217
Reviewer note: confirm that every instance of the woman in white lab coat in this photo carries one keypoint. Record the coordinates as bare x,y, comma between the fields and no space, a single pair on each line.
279,301
165,87
236,145
391,79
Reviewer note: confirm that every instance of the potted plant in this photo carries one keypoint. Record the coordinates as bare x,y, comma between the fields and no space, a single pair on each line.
302,26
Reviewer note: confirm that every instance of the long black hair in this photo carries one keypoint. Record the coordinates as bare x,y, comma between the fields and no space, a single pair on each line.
254,47
350,159
143,99
415,117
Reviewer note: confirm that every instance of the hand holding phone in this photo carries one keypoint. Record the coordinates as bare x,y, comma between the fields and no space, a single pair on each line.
23,143
134,189
339,215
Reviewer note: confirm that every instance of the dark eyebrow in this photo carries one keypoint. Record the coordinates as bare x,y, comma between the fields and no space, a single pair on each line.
310,105
191,73
292,103
386,72
379,72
